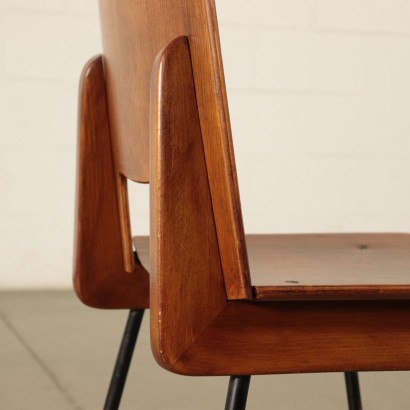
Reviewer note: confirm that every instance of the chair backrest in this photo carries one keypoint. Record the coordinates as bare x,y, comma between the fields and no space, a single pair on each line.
134,32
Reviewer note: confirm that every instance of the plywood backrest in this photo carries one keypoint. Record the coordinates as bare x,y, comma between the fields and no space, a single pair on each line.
134,32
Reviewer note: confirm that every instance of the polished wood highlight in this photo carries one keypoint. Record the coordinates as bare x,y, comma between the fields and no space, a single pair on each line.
324,266
187,288
99,276
196,330
298,337
154,109
330,266
133,34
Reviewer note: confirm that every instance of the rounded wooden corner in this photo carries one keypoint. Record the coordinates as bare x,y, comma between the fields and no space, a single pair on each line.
99,276
92,68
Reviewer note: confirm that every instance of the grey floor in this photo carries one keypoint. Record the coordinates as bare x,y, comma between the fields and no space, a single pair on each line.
57,354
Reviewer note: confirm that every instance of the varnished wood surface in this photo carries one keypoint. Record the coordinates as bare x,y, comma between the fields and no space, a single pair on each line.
187,287
325,266
330,266
134,32
99,276
198,259
298,337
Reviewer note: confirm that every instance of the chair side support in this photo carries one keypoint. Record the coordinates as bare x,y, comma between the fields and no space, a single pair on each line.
187,287
195,330
100,279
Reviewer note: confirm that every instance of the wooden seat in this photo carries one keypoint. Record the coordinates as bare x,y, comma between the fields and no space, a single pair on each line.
330,266
153,108
323,266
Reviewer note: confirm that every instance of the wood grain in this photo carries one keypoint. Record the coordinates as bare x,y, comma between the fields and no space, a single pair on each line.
324,266
134,32
187,288
330,266
198,258
99,276
299,337
194,329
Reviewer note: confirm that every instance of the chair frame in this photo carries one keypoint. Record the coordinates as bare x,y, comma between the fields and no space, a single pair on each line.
199,289
321,336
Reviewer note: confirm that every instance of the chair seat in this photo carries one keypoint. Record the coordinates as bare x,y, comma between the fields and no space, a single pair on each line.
324,266
330,266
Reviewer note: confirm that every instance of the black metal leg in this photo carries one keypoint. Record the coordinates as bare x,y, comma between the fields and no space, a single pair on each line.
122,364
237,392
353,391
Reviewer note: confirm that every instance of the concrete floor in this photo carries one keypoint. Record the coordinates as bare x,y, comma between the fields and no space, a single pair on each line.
57,354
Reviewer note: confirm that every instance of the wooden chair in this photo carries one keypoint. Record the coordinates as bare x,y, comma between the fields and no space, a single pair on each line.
153,109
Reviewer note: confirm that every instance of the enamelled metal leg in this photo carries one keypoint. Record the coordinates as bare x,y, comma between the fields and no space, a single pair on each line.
353,391
237,392
124,357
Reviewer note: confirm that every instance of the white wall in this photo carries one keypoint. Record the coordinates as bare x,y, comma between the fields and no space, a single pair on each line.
319,93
